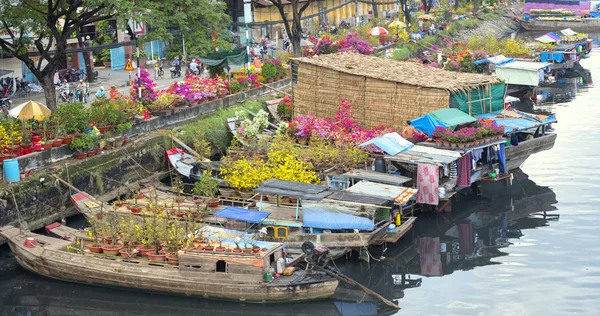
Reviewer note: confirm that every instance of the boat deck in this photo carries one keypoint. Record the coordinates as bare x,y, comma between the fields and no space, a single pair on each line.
282,215
396,234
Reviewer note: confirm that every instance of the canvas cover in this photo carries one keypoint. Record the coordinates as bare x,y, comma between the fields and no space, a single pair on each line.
325,216
242,214
391,143
238,56
427,124
550,37
479,100
521,73
496,60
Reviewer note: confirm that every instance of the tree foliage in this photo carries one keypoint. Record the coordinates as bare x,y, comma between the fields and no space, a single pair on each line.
295,30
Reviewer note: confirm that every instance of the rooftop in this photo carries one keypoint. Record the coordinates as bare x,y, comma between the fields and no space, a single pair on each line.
401,72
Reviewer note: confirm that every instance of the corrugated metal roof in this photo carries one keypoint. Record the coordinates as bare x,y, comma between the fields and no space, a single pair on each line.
293,189
352,197
426,155
376,177
400,195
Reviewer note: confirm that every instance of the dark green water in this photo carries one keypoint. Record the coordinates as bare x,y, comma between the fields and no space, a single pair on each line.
532,251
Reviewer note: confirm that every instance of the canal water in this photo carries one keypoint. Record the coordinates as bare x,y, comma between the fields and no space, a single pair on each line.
531,251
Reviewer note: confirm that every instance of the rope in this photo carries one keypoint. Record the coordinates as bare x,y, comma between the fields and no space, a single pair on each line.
366,248
19,215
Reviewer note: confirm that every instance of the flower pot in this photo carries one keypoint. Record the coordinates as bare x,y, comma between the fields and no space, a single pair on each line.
103,129
136,210
81,155
446,143
256,250
119,203
91,153
47,146
439,142
173,260
214,203
118,142
111,251
156,257
57,143
247,250
67,139
130,254
208,248
237,250
461,145
453,145
220,249
95,249
107,240
144,251
246,195
227,192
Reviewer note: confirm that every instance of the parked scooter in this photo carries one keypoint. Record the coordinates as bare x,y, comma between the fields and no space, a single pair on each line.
5,104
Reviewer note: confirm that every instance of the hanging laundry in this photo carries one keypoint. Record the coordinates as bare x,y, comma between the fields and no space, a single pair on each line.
453,169
464,171
477,155
465,238
428,181
430,256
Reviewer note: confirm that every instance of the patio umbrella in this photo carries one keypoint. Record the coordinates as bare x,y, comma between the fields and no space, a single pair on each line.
378,31
426,17
30,110
397,24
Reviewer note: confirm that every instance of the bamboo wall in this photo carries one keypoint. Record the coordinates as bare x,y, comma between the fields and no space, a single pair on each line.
374,102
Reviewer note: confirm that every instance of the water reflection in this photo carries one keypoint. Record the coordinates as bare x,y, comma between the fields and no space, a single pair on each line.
471,236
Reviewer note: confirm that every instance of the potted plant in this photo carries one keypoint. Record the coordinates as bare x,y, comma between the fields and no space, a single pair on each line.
122,130
81,145
156,227
93,232
220,248
135,190
237,245
207,186
129,234
112,225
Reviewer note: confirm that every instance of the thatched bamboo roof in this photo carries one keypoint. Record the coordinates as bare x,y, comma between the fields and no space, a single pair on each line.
401,72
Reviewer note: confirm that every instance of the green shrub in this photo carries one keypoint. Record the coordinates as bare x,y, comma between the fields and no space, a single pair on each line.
72,117
269,71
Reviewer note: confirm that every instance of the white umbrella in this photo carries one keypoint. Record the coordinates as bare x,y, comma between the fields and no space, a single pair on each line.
378,31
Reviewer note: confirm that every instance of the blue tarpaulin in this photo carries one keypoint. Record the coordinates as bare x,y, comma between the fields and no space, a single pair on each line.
514,124
496,60
326,217
427,124
242,214
391,143
550,57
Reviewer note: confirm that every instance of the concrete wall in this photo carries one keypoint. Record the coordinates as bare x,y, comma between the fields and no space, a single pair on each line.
42,201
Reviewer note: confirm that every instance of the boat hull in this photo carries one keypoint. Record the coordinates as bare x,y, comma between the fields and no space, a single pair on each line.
548,26
92,270
516,155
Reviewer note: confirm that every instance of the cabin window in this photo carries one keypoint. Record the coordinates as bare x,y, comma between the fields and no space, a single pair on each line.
271,231
282,232
221,266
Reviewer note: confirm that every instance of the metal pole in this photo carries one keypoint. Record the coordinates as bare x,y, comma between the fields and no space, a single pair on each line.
248,48
183,37
139,70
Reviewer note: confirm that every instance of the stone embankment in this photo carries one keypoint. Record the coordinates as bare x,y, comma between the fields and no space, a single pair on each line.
498,28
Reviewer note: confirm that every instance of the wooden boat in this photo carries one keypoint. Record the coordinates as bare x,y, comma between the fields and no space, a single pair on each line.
208,274
583,26
187,165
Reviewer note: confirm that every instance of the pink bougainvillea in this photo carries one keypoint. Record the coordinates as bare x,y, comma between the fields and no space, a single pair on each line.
342,128
148,94
351,43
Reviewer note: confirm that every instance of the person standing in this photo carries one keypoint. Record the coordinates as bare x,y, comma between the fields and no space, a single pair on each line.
113,92
286,43
409,132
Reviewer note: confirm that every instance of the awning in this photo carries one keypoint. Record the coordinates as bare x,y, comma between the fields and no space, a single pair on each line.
496,60
298,190
427,124
568,32
242,214
525,73
452,117
327,217
552,57
391,143
400,195
375,176
515,121
346,198
550,37
426,155
238,56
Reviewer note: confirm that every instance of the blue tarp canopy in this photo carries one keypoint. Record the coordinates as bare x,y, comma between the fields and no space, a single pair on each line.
327,217
427,124
391,143
514,121
496,60
242,214
550,57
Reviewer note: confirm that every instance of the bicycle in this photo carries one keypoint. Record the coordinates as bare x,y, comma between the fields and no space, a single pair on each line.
159,74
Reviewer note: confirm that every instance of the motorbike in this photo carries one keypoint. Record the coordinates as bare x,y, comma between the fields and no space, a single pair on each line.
175,72
5,104
23,85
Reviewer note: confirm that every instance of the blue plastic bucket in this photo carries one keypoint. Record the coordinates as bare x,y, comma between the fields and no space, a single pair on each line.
11,170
